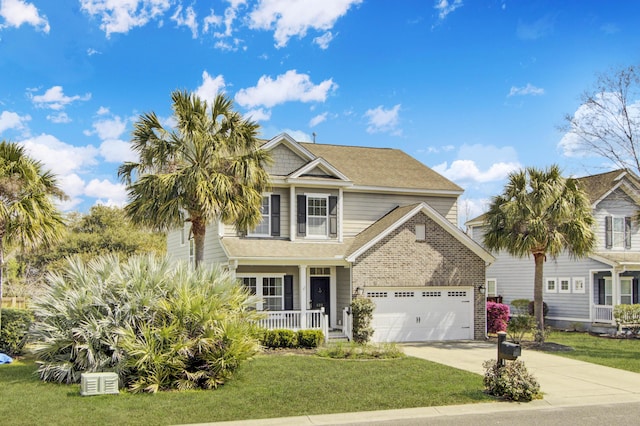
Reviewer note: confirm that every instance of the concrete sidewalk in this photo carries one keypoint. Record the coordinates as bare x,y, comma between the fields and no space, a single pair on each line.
563,381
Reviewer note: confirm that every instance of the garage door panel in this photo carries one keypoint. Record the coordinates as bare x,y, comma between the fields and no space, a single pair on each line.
405,314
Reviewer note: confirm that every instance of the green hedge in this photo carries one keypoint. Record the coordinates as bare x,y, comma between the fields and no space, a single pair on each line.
15,325
627,314
283,338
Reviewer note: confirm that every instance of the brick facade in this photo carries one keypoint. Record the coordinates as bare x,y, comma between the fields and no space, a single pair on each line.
398,260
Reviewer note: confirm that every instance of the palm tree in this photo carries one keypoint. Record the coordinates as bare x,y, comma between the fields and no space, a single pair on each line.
28,215
540,213
208,166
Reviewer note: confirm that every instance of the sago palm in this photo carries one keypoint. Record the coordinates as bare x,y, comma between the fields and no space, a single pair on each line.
208,166
540,213
28,215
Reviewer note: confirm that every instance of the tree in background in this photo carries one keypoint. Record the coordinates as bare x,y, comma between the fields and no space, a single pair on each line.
208,167
103,230
28,215
607,123
540,213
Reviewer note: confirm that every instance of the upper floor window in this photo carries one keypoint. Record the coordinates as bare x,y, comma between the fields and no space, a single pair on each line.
317,216
264,228
618,232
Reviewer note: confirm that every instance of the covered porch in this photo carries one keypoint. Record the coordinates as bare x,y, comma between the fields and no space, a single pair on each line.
615,286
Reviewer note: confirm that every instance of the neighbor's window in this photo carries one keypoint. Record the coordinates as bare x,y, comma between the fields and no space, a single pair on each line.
317,216
564,285
551,285
492,287
421,234
578,285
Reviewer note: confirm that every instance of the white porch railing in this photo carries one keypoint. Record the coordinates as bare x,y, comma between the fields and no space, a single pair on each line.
296,320
603,313
347,323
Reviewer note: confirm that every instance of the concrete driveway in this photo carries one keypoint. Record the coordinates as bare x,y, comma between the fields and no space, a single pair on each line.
563,381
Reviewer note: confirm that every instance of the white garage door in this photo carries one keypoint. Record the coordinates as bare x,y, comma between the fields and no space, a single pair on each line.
420,314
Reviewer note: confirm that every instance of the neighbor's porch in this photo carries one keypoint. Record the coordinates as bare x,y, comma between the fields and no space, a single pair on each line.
611,288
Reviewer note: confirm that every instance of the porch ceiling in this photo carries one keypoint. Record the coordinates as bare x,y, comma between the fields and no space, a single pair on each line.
628,260
266,249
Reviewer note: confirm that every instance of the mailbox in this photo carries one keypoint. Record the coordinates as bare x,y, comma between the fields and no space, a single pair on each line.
509,350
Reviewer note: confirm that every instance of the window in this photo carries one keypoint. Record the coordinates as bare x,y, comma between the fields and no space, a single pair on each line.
192,251
272,293
264,227
564,285
551,285
182,236
319,271
420,232
618,232
250,284
608,291
626,290
578,285
317,216
492,287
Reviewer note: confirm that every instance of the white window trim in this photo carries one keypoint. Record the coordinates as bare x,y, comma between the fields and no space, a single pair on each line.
559,284
608,282
259,291
630,279
326,198
575,287
495,287
546,285
268,234
192,250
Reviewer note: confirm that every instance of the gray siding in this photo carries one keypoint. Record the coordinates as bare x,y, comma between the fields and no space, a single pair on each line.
363,209
617,204
175,249
343,289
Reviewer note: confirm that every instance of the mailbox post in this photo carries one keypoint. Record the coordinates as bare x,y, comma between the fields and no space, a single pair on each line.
507,350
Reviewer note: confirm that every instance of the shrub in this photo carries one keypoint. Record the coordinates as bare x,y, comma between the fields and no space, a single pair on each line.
279,338
15,326
627,316
512,382
497,317
519,326
310,338
158,326
520,307
354,350
545,308
362,311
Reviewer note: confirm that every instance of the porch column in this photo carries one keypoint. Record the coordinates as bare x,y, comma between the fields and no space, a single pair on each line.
233,266
302,283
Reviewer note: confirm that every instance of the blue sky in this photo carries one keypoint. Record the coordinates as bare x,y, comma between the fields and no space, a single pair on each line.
473,89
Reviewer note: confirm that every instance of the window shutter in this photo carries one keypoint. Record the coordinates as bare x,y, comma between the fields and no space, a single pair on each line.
635,291
608,232
333,216
601,293
627,232
302,215
275,215
288,292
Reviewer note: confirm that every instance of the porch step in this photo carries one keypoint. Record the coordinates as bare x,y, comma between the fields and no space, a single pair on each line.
337,336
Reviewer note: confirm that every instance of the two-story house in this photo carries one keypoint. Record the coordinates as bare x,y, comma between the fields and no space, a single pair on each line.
582,291
344,221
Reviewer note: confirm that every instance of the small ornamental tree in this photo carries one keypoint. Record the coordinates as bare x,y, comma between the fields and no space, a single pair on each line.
362,311
497,317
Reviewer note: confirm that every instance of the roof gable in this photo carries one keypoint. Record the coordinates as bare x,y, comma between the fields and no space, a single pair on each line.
319,168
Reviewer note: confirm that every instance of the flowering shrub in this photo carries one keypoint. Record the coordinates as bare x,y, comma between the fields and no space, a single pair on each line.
497,317
512,382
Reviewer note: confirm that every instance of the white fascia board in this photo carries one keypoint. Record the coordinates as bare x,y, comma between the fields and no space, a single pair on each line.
291,143
322,164
318,182
292,261
440,220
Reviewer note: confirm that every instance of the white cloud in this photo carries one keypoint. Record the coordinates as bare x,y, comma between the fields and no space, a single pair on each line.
119,16
12,120
112,194
59,118
212,20
103,110
117,151
287,87
324,40
445,7
210,87
60,157
529,89
468,171
318,119
18,12
470,208
294,18
91,52
110,128
383,120
187,19
258,114
55,99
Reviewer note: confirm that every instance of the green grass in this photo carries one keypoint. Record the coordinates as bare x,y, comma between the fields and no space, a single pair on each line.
616,353
265,387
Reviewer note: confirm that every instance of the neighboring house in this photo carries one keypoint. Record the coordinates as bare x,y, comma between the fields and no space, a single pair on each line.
582,290
345,221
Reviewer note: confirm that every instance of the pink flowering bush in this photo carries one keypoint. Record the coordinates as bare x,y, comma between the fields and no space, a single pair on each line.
497,317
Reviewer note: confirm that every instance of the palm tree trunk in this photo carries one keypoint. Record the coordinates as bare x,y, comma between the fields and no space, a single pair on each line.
199,229
538,303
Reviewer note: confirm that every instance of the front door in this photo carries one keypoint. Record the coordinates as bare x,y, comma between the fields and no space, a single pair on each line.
320,294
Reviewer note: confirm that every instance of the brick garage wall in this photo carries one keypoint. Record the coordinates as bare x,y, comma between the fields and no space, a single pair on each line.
398,260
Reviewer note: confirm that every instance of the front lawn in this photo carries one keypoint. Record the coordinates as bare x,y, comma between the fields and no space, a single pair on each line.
616,353
267,386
